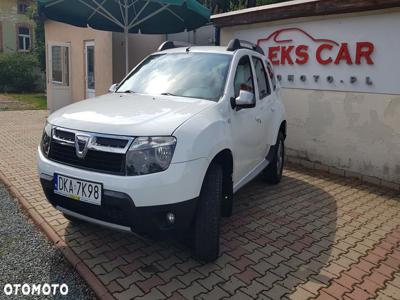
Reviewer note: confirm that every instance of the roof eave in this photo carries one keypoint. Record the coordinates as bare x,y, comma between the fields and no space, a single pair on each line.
298,9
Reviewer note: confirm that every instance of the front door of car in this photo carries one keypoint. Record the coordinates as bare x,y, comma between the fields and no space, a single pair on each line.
246,124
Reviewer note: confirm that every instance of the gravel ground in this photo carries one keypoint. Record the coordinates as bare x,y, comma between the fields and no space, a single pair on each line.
26,256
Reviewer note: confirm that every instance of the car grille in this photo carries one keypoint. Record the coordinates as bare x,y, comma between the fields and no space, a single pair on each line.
104,154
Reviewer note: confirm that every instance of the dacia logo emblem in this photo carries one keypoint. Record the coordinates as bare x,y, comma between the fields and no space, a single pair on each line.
81,145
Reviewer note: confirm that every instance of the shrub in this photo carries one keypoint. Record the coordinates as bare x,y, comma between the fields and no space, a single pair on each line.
18,72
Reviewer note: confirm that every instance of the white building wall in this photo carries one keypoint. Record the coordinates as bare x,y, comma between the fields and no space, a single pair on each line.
354,128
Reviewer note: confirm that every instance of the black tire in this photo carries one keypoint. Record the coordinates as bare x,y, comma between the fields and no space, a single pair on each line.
273,172
207,222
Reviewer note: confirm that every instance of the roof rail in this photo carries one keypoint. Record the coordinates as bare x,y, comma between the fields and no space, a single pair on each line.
172,44
236,44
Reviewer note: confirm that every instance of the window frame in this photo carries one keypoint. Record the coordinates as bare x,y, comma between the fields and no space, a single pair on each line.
267,81
65,65
271,76
24,36
252,75
22,2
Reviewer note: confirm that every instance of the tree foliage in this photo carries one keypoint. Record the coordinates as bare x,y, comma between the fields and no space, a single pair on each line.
219,6
18,72
39,47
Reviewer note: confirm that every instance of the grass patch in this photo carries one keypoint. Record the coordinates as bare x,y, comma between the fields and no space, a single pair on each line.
38,101
29,100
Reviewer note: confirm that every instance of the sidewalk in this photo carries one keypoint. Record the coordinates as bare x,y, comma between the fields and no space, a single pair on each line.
313,236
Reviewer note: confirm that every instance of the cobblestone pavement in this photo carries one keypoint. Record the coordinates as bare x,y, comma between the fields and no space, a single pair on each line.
315,235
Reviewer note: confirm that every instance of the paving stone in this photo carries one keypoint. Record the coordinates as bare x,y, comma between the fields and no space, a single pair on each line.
215,293
127,281
276,292
171,287
147,284
240,296
330,231
300,294
154,294
191,276
210,281
110,276
232,285
111,265
193,290
227,272
268,279
254,289
130,293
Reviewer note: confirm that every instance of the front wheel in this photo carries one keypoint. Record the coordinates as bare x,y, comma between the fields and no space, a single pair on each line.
207,222
273,172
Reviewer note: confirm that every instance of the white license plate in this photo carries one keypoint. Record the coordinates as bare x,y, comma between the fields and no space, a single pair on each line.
77,189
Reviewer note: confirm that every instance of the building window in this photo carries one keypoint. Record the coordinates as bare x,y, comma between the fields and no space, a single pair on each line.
24,38
60,65
22,7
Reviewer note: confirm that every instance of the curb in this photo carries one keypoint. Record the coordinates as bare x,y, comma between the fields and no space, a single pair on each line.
93,282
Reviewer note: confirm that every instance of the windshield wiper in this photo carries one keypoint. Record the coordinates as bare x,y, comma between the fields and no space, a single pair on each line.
128,92
168,94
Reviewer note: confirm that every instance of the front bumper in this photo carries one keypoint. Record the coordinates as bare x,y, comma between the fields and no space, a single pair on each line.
180,182
136,203
118,211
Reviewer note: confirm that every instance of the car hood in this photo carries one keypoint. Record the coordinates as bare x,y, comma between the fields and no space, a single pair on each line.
129,114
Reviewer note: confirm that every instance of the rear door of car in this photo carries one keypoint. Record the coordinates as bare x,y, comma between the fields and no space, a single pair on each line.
265,103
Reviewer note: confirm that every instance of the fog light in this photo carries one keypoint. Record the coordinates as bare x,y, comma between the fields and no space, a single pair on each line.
170,218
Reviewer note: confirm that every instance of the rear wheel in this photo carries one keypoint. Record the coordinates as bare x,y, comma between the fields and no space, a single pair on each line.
207,222
273,172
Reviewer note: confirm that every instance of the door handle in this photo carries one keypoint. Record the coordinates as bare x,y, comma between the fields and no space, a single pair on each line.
258,120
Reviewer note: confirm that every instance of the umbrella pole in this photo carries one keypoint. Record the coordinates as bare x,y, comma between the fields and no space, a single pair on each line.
126,51
126,31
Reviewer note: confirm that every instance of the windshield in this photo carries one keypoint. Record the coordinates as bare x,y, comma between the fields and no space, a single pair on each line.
194,75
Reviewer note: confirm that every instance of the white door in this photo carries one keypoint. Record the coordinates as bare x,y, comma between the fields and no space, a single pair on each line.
59,79
246,127
89,69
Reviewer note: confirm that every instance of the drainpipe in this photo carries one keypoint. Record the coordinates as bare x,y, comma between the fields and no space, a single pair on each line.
217,36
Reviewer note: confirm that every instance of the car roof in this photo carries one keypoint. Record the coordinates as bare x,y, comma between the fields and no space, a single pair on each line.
208,49
211,49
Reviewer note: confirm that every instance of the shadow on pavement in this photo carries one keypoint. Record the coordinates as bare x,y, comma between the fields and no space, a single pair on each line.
277,233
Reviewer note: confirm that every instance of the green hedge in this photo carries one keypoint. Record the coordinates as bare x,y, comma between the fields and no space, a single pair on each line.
18,72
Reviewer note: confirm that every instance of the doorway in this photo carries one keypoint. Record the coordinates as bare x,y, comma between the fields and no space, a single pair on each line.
59,87
89,70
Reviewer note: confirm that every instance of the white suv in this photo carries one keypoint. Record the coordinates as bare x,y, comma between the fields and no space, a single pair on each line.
169,146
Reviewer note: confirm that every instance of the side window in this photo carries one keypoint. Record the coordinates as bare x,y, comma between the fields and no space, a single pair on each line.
243,76
262,80
271,75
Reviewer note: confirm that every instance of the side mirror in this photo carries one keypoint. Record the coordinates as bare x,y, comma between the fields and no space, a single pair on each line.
113,88
245,100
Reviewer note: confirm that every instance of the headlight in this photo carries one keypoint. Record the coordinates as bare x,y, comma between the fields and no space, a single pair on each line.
46,139
149,155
